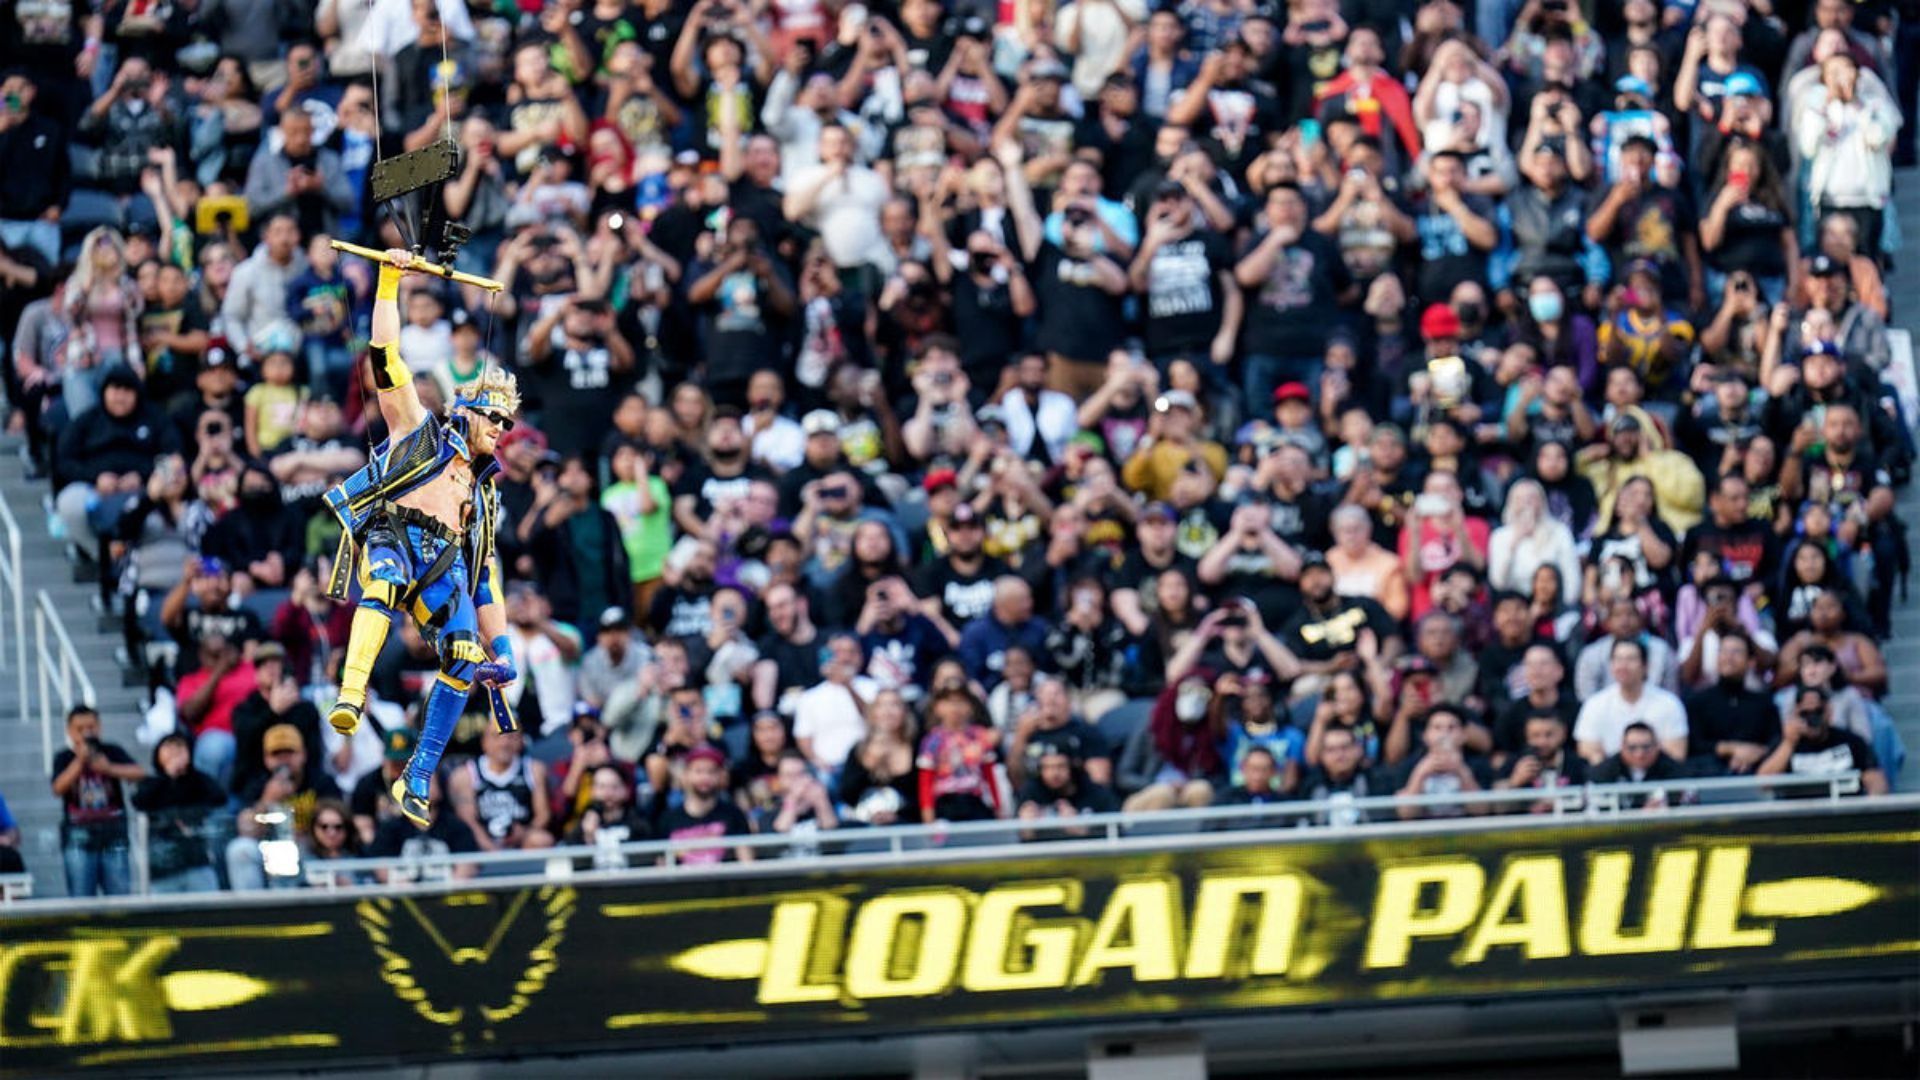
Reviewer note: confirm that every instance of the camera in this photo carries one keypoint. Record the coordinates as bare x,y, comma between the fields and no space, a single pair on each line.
93,744
1077,216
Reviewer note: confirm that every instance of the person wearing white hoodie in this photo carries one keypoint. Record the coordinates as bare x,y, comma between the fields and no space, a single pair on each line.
1846,133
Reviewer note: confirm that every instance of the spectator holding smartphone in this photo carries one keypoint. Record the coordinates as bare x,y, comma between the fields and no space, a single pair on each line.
87,778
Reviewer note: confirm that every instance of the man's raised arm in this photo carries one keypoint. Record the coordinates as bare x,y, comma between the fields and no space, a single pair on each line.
399,401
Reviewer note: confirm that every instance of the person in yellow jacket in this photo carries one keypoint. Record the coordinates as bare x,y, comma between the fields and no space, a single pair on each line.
1172,445
1679,491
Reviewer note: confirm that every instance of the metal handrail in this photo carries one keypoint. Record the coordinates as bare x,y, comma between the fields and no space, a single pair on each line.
12,575
60,669
1591,800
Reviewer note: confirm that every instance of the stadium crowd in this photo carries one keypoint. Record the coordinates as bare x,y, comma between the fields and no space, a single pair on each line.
951,410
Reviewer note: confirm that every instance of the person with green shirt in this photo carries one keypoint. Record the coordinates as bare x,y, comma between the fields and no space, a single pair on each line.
642,504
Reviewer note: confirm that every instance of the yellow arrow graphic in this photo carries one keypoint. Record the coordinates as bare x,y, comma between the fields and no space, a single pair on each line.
745,958
1808,897
200,991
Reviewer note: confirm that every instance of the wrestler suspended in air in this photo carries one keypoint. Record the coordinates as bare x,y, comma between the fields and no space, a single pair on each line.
419,525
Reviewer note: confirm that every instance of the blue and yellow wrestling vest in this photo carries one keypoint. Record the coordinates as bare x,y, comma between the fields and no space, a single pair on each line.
397,468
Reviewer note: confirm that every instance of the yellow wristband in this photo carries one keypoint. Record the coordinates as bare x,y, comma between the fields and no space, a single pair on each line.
388,287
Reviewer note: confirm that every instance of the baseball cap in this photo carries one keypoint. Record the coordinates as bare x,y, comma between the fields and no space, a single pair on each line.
1632,84
281,738
1089,439
1292,391
990,414
524,433
614,618
209,566
964,514
1159,511
1311,558
400,743
269,650
1623,422
940,478
1047,68
1176,399
1439,321
122,376
821,422
1826,266
1743,84
706,752
1644,266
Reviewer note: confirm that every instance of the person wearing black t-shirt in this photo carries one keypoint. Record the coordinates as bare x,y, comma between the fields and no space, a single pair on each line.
1154,552
720,481
1325,633
1298,513
1058,788
1716,426
1729,724
1294,278
1746,549
1193,307
1082,292
1544,674
992,299
1250,561
1231,110
1340,779
957,589
686,610
576,361
1810,746
1503,676
1547,763
445,835
789,652
703,813
1457,230
744,300
87,777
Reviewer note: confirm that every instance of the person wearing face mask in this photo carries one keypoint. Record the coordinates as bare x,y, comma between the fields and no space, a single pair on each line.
1174,759
263,539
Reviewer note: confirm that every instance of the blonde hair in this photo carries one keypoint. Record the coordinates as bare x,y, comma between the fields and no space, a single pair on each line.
496,390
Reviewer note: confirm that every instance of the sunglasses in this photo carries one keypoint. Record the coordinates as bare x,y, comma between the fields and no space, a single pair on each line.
504,423
329,826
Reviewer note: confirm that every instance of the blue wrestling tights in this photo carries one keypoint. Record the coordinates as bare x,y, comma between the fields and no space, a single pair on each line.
445,702
451,609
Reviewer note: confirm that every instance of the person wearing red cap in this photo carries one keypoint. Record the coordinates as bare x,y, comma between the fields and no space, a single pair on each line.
957,587
703,811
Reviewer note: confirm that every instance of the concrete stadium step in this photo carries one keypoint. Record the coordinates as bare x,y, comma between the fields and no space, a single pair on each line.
70,589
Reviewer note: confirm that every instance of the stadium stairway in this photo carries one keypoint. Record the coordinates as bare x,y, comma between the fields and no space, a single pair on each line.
1903,652
24,776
